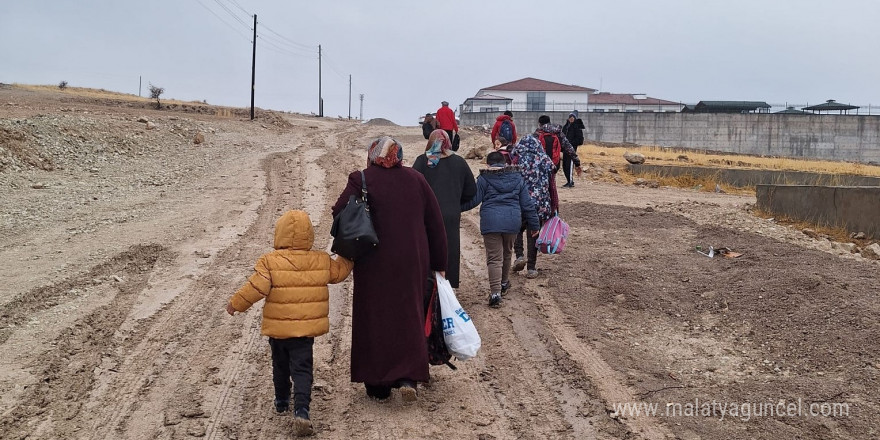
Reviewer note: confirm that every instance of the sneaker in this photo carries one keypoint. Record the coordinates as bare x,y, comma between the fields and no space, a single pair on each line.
532,273
494,299
408,392
505,286
568,185
301,422
518,264
281,407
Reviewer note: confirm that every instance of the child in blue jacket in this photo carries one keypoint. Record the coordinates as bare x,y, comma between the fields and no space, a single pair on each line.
506,201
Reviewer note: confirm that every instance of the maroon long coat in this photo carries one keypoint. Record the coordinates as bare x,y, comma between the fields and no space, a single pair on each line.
388,317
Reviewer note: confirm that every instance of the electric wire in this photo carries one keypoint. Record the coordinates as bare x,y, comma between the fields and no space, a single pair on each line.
233,14
224,21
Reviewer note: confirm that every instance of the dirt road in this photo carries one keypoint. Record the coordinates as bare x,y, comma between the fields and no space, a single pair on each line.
121,244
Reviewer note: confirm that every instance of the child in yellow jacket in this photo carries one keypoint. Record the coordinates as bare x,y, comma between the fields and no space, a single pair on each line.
293,280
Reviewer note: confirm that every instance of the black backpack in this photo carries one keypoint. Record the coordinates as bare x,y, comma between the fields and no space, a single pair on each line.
438,353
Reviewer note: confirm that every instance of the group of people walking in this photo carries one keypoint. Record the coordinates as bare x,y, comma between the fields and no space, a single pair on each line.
416,213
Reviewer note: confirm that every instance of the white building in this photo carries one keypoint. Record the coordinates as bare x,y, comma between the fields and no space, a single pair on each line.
529,94
630,102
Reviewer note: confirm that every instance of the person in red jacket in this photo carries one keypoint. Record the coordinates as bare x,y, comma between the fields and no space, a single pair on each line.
446,120
507,116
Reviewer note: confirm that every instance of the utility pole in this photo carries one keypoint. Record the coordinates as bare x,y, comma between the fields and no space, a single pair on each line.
349,96
320,99
140,83
362,108
254,68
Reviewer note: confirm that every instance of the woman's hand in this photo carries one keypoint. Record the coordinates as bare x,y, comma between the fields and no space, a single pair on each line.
229,309
442,273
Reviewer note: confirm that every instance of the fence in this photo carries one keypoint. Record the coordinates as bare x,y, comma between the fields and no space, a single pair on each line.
553,106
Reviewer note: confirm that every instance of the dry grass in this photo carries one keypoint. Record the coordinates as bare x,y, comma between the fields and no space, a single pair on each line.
696,158
835,233
100,94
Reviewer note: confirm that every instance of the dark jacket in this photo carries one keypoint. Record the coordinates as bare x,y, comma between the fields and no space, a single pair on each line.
428,127
574,131
505,200
564,144
453,184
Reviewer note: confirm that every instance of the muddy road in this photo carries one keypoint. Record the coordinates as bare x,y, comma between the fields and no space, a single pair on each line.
121,245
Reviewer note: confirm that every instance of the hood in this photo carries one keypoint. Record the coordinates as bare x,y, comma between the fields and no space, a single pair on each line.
551,128
294,231
503,118
578,123
504,180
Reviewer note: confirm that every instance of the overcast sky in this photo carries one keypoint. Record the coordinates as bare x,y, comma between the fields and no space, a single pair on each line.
406,57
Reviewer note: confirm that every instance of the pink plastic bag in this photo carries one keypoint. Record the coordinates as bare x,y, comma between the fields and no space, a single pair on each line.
551,240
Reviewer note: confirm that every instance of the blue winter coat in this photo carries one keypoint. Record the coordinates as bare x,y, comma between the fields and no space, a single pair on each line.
505,200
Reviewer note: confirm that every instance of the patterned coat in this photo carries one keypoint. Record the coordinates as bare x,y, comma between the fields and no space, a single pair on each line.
536,168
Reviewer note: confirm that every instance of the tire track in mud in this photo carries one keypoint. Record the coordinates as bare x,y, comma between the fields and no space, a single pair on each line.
538,391
568,364
255,387
51,407
168,372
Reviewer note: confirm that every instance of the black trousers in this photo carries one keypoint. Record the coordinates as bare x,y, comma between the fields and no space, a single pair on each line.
568,166
292,358
533,249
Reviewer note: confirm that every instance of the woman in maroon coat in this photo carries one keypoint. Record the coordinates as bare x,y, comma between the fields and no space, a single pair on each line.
388,345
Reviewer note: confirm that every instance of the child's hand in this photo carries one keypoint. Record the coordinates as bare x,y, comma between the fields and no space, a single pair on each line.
230,309
535,233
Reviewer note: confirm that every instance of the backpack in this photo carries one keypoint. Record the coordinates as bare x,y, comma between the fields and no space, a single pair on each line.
438,352
551,239
506,130
555,152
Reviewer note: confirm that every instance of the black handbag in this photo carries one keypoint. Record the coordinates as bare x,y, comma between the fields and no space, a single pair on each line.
352,230
456,141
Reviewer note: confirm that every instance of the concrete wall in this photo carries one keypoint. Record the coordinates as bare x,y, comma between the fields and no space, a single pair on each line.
834,137
745,178
857,209
526,122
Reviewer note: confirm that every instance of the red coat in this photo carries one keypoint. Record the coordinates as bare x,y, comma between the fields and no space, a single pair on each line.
446,119
497,127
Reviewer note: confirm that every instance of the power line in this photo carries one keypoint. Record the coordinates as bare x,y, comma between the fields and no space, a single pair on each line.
281,45
333,68
281,50
304,46
224,21
236,17
242,9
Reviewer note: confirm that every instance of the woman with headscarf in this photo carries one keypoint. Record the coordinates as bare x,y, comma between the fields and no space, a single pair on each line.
388,345
453,183
536,168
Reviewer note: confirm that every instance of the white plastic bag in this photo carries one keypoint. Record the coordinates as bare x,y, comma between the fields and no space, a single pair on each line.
459,332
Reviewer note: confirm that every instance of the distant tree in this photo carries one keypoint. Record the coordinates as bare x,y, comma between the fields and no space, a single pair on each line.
62,85
155,92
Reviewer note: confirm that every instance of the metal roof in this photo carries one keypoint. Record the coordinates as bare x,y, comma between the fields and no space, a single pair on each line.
792,111
626,98
537,85
488,97
831,105
729,106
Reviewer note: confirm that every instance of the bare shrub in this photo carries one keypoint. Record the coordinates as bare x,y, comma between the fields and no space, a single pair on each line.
155,92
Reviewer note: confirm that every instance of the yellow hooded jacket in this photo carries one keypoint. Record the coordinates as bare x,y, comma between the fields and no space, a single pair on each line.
293,279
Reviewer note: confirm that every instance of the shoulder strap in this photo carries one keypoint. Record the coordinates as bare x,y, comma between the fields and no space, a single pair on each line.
363,186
